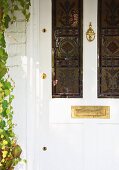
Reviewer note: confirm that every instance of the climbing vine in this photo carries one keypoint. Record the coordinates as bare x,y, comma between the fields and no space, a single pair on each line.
10,150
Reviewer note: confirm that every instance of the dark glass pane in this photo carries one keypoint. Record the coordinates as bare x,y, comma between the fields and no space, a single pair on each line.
67,48
68,82
108,48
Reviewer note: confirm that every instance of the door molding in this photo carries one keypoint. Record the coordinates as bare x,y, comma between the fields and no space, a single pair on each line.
33,76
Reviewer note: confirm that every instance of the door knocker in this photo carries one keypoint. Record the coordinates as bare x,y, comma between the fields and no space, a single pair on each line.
90,34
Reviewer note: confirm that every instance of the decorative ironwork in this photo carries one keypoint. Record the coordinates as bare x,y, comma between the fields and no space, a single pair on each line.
108,44
67,48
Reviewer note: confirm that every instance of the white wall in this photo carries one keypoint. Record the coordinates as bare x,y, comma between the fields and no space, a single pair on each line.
17,62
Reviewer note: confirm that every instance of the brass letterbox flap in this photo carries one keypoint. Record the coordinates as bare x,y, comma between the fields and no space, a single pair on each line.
101,112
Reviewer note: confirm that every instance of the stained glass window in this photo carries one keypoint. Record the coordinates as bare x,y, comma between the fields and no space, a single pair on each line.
67,48
108,48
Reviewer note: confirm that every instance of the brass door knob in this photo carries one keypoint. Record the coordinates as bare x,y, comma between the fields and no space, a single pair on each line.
43,76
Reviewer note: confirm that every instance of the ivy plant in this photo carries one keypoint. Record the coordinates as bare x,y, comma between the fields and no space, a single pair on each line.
10,150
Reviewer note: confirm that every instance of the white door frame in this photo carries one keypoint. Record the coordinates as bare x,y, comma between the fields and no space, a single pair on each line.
33,87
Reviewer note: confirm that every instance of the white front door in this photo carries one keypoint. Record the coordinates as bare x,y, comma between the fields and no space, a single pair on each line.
61,142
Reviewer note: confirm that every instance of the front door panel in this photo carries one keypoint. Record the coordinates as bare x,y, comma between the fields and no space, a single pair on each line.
74,144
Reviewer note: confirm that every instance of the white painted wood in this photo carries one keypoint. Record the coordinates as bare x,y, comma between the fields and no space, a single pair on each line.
73,144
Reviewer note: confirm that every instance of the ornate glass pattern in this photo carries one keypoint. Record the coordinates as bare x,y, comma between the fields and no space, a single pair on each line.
67,48
108,48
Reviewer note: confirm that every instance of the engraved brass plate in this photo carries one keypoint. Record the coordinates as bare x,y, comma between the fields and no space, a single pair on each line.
101,112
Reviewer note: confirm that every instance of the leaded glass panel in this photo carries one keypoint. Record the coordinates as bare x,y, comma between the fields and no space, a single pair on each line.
67,48
108,48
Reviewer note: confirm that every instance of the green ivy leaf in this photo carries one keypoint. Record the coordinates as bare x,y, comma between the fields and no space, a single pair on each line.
1,131
11,133
5,104
24,12
22,3
2,124
8,111
4,113
2,40
11,98
6,134
16,7
27,6
3,55
8,85
27,16
7,21
3,71
7,92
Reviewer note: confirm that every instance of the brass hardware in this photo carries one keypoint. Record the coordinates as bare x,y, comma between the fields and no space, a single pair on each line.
101,112
44,30
44,148
43,76
90,35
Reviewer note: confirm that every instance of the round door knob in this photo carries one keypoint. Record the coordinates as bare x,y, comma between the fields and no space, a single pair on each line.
43,76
